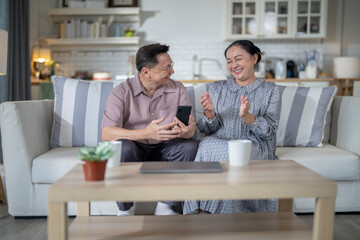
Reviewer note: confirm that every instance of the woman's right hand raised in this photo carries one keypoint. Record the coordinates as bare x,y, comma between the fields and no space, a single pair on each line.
208,105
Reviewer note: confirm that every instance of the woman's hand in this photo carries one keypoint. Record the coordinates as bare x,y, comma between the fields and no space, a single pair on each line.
244,111
208,105
245,106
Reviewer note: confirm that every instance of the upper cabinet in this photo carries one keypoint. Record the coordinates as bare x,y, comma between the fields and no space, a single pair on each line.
271,19
310,18
244,18
105,26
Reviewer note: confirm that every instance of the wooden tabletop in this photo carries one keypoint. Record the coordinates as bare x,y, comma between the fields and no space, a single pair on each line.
261,179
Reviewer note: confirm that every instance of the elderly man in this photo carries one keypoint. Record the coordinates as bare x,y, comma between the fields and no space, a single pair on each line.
141,111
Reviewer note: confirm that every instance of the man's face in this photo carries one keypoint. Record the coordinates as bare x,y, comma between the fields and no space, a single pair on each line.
162,72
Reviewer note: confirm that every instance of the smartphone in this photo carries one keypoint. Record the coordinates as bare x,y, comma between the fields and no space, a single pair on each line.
183,114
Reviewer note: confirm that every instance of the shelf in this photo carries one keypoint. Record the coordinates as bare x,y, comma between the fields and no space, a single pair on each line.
212,226
68,12
92,41
130,14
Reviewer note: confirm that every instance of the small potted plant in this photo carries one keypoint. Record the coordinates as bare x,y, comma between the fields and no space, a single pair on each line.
95,160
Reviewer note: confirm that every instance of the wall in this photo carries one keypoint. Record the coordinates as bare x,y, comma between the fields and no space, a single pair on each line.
202,33
197,28
350,45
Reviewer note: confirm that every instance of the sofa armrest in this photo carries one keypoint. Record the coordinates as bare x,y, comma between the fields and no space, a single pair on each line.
25,134
345,127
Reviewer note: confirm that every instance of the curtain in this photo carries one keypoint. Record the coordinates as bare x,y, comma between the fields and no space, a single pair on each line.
18,74
4,24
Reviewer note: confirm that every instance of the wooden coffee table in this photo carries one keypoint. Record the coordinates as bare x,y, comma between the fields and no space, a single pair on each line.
283,179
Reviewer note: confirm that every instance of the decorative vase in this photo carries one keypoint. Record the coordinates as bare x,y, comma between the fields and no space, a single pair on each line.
94,171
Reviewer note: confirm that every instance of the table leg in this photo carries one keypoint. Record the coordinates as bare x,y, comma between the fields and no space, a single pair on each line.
83,208
347,88
57,221
323,228
337,84
285,205
2,193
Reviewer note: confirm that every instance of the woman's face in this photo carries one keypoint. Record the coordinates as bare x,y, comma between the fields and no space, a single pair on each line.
241,64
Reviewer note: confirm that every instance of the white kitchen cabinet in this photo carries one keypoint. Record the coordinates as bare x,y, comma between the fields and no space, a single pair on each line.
275,18
272,19
310,18
242,18
124,16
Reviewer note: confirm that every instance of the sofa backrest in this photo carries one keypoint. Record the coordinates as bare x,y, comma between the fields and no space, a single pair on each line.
345,127
79,106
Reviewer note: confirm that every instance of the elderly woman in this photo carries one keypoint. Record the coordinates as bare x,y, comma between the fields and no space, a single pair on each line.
241,107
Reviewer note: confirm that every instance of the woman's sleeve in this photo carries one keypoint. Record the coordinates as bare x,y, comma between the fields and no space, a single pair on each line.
209,126
265,126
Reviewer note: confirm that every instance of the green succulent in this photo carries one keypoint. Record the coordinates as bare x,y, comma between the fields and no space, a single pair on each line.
103,151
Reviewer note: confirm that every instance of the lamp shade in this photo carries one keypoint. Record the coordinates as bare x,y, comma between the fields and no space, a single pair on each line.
3,51
41,54
346,67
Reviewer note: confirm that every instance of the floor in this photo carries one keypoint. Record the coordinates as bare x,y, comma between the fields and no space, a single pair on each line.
347,226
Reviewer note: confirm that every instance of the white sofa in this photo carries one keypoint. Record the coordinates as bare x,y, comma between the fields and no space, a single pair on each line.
31,167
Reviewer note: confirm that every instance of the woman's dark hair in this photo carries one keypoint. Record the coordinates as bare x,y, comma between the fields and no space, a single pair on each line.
248,46
147,55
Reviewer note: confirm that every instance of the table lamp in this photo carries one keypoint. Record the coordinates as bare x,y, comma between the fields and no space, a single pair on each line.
40,56
347,68
3,51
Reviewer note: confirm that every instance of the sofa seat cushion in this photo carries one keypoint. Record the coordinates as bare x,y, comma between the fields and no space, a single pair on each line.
329,161
52,165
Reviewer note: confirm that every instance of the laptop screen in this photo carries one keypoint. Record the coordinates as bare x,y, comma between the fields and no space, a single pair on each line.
180,167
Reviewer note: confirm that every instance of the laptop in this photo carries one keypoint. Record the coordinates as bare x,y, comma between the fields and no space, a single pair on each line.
181,167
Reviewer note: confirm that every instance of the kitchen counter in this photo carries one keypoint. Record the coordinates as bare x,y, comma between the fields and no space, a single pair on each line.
342,84
267,79
300,80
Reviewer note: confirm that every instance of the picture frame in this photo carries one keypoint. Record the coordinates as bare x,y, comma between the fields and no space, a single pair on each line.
122,3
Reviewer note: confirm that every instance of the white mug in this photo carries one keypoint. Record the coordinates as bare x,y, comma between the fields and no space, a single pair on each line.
239,152
114,161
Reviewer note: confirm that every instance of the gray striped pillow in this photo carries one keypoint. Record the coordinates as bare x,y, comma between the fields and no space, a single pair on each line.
78,110
194,93
302,117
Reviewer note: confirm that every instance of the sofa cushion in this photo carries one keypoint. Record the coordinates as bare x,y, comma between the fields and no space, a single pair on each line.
52,165
329,161
78,110
303,115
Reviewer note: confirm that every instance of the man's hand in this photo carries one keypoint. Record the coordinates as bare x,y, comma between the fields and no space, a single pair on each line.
162,133
208,105
186,131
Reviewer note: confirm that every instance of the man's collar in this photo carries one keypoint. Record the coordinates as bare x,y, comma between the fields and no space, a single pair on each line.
139,87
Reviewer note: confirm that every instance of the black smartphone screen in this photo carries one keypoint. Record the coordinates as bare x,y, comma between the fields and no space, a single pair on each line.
183,114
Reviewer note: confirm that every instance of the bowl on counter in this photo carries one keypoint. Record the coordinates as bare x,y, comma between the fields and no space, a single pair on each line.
101,76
